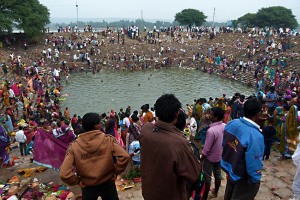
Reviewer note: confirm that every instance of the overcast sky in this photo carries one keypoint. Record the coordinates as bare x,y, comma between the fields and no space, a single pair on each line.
162,9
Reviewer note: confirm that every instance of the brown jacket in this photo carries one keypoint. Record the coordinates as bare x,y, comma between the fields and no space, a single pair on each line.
92,155
167,162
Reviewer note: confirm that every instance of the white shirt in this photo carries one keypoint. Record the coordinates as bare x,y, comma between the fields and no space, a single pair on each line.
11,93
193,126
126,122
252,122
20,136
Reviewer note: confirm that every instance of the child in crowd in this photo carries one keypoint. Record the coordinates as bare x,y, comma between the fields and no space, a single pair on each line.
268,131
29,148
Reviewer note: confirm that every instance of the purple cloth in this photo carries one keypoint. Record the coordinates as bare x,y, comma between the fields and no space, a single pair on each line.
40,90
213,142
64,133
48,150
4,142
35,84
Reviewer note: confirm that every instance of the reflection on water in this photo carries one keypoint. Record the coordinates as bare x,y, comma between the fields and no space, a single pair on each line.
117,89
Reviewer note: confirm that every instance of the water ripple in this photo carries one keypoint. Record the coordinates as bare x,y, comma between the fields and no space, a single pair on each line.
117,89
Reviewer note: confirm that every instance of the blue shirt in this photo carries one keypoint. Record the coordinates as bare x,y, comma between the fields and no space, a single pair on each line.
272,96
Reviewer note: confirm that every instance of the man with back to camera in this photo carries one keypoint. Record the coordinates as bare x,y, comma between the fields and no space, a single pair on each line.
167,160
92,153
243,150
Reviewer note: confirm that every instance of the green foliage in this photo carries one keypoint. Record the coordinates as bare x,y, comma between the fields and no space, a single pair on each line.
248,20
276,16
6,15
190,17
134,172
29,15
235,23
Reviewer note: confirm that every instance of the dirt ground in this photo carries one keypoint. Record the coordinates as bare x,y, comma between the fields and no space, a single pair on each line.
276,182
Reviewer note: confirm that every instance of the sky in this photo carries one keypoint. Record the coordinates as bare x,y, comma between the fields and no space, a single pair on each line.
162,9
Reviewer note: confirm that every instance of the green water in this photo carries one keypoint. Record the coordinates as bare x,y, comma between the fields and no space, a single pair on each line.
108,90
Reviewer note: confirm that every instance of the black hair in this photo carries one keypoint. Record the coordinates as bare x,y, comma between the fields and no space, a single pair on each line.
135,118
181,120
127,114
166,107
135,112
89,121
252,107
20,127
33,137
270,120
218,112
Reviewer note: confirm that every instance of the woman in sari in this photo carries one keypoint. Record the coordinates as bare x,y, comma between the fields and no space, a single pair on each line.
272,74
6,98
227,117
30,84
290,132
47,96
4,143
278,122
40,88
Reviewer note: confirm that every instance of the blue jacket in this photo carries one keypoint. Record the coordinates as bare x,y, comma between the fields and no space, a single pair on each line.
243,150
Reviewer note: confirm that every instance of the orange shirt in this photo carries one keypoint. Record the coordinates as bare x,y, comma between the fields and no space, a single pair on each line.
148,117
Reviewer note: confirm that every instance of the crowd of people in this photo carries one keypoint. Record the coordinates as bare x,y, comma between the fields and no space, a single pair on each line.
214,127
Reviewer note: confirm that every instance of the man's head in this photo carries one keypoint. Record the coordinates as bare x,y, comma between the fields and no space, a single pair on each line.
242,98
272,89
166,108
90,121
181,120
216,114
252,108
135,118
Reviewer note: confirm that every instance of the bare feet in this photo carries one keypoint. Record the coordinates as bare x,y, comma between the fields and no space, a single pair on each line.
213,193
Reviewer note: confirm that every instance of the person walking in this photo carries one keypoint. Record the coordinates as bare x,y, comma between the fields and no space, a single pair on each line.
168,163
21,138
243,150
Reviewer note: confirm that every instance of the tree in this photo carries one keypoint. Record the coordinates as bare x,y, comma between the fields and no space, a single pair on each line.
6,22
190,17
277,17
248,20
29,15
